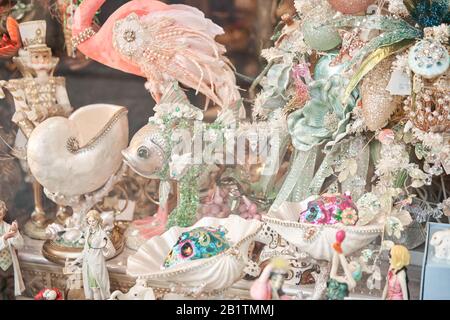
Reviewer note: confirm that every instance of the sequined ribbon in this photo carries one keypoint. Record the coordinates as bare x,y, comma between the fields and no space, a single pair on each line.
300,191
322,173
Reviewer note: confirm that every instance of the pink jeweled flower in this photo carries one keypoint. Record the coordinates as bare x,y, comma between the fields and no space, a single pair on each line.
386,136
349,217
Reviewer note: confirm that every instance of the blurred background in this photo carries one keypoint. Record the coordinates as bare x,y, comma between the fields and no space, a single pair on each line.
248,26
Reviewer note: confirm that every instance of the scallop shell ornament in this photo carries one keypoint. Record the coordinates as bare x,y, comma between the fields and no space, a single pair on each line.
351,6
378,104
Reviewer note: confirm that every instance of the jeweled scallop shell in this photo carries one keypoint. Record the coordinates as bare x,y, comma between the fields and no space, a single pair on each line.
317,240
212,274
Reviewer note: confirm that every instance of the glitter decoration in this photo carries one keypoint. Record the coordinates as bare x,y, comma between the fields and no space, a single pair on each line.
430,110
428,13
316,35
377,103
394,31
186,211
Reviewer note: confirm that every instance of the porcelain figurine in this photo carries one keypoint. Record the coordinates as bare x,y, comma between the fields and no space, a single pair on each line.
339,287
10,242
98,247
137,292
37,96
441,243
269,285
396,287
162,43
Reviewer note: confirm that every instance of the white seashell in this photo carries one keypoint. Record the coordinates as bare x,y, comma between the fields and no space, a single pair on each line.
103,127
319,243
213,273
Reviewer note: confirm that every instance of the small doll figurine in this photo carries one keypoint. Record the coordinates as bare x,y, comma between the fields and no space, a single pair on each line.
338,287
97,248
49,294
10,241
396,287
269,286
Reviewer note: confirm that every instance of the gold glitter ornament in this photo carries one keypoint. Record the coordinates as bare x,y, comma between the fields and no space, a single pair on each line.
377,103
351,6
429,108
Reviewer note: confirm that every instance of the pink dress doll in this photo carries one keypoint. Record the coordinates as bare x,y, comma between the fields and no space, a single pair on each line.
396,287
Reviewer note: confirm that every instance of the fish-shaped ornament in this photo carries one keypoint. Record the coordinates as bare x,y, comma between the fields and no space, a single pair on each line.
198,243
331,209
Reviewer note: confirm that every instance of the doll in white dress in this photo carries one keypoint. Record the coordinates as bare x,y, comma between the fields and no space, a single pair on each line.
97,248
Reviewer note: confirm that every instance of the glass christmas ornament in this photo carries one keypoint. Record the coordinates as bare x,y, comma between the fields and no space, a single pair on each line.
322,38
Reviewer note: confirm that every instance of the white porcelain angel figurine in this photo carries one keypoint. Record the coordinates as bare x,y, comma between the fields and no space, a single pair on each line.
338,287
97,248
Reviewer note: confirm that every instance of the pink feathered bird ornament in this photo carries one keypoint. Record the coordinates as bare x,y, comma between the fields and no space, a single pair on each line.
163,43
